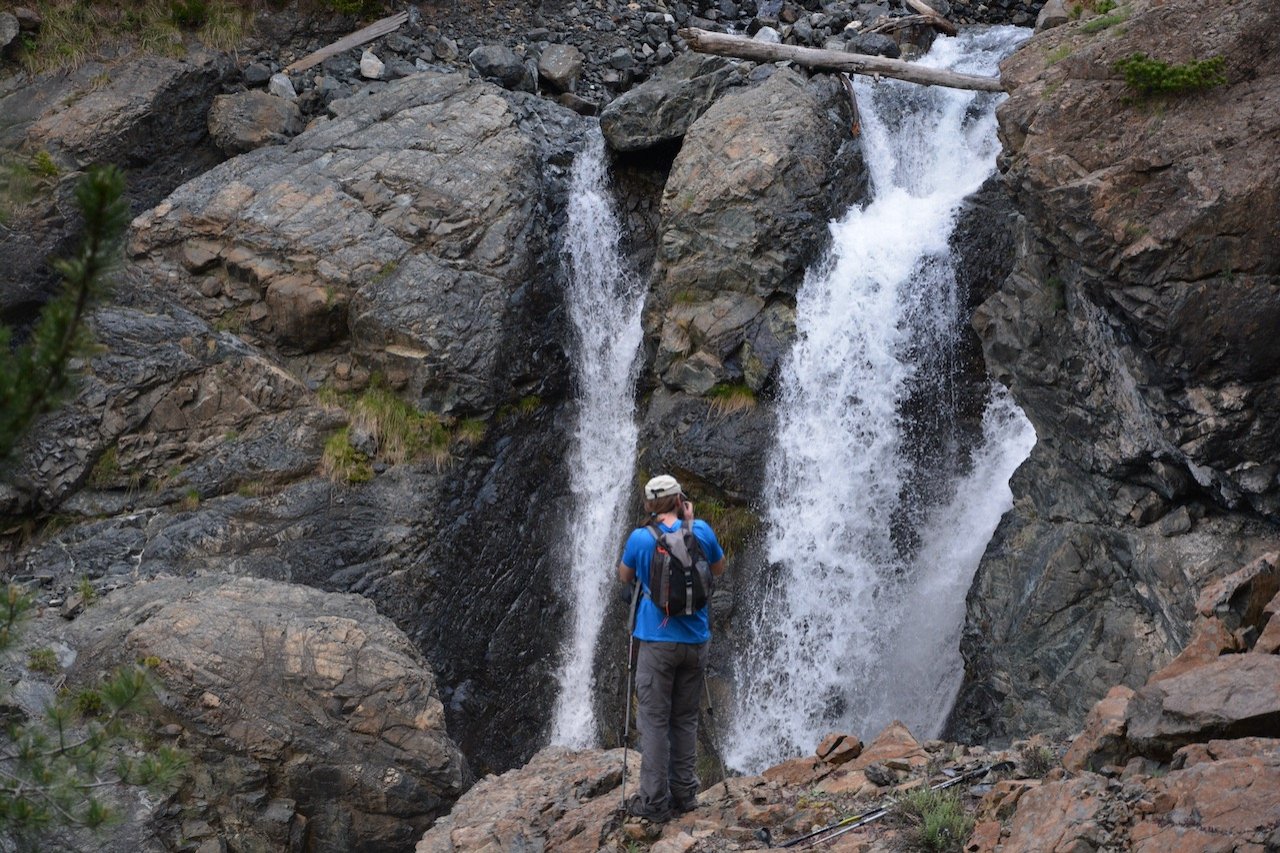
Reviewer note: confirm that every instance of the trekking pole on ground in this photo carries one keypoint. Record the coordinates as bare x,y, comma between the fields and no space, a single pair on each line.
626,726
858,821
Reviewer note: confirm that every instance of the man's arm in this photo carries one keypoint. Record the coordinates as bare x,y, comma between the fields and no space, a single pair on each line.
717,568
626,574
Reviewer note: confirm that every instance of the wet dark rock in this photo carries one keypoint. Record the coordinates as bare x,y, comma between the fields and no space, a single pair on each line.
1143,358
873,44
257,74
500,64
662,109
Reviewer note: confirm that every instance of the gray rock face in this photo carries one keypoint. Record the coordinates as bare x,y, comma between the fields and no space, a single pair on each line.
662,109
248,120
365,245
145,113
758,177
316,722
367,210
1134,332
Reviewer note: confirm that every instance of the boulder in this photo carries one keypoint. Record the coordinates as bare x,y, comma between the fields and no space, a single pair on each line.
311,716
759,175
662,109
359,210
282,87
1235,696
9,29
560,800
371,67
498,63
248,120
1102,741
1052,14
560,65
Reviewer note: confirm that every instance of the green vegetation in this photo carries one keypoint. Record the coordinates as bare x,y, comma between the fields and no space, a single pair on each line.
1037,760
1149,76
353,7
106,471
34,376
734,525
52,768
74,31
1058,54
43,660
470,432
342,463
1099,24
730,399
935,820
23,179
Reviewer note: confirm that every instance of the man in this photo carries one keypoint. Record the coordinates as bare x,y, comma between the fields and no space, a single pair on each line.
671,661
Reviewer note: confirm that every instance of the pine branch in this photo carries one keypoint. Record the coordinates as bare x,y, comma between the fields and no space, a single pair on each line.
33,376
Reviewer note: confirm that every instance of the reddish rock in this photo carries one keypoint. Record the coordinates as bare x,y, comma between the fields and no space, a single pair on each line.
986,835
1210,640
999,803
1269,641
798,772
894,744
851,782
1059,818
1102,741
839,748
1241,596
1226,805
1221,750
1235,696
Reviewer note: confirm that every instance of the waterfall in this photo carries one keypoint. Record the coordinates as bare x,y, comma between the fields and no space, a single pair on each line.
857,624
605,299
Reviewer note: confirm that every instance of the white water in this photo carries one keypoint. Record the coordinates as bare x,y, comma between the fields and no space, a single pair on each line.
851,632
605,299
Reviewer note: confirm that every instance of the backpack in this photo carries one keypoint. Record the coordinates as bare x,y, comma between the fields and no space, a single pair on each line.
679,577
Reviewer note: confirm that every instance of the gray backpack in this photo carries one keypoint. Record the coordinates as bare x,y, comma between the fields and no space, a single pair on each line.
679,577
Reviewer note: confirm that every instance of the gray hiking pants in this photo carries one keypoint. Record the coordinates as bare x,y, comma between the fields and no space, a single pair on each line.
668,689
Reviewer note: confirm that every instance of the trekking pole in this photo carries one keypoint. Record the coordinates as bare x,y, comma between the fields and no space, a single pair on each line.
711,727
626,726
853,822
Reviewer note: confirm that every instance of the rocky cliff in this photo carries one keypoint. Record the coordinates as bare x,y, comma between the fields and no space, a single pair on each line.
338,359
1135,332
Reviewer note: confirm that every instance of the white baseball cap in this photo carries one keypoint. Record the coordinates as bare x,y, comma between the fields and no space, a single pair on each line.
661,486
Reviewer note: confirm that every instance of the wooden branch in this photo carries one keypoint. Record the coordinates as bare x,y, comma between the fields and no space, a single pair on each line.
359,37
891,25
741,47
939,23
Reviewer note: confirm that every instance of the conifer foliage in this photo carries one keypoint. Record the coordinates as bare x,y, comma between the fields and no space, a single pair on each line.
34,375
54,769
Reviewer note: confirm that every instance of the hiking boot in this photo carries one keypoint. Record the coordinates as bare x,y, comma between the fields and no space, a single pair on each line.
681,806
636,808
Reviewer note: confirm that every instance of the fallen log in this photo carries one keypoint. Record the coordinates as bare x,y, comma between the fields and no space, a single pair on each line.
742,47
939,23
359,37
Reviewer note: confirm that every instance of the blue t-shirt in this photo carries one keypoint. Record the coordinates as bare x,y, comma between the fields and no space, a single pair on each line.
637,555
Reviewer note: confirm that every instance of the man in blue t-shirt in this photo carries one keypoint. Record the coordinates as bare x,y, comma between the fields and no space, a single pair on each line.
671,661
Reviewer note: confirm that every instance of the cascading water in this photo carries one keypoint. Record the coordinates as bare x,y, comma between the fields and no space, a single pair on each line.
858,624
605,299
